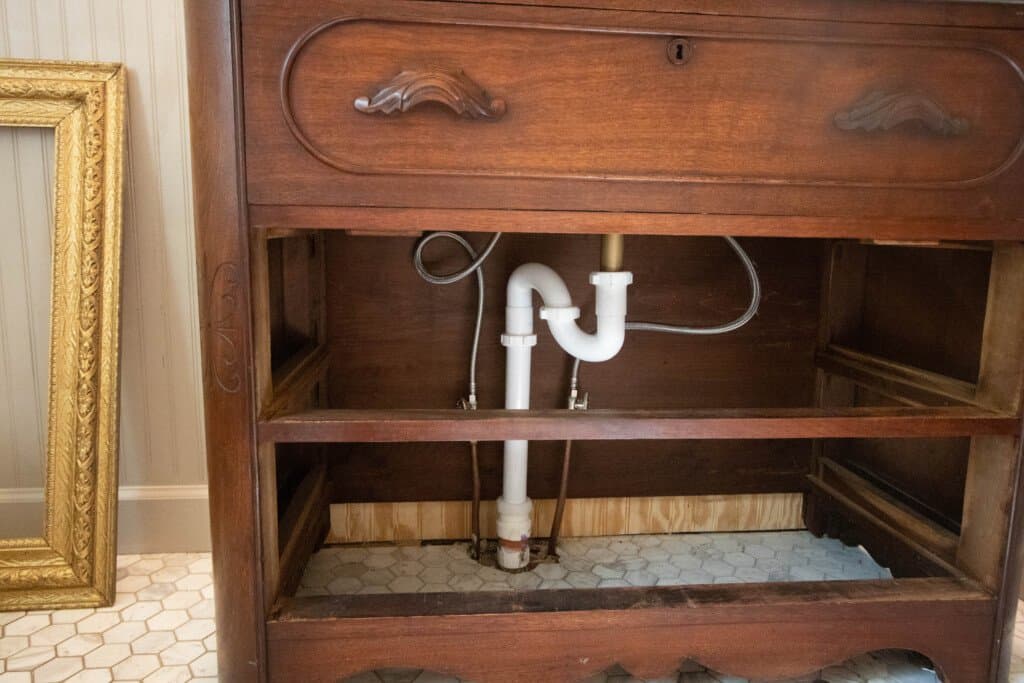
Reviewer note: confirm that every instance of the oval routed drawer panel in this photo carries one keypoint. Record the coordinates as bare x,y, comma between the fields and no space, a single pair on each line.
603,105
406,103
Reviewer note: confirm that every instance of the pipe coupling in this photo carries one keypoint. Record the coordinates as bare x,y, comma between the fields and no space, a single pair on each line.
559,313
515,521
520,340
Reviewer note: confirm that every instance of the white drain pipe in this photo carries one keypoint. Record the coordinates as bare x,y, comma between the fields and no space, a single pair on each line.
514,507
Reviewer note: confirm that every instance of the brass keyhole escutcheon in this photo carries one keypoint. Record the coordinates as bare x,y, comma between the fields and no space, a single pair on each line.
679,51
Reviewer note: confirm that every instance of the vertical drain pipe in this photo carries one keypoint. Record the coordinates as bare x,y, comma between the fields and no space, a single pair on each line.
514,506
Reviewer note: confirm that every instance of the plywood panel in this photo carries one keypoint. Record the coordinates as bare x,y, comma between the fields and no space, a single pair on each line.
449,520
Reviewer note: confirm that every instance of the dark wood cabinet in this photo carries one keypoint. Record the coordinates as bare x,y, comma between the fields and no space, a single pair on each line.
867,155
595,112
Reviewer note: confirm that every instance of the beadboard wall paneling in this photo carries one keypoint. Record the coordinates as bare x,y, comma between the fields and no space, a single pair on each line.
162,441
26,191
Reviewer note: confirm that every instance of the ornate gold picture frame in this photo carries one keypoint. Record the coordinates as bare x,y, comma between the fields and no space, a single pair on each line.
73,563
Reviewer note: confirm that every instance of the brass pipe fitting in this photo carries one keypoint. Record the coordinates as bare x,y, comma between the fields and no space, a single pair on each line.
611,252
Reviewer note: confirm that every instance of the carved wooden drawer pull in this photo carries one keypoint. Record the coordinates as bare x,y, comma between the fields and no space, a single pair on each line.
454,89
880,110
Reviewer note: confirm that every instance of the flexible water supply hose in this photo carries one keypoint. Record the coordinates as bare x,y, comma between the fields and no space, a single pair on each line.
639,326
747,315
477,266
755,303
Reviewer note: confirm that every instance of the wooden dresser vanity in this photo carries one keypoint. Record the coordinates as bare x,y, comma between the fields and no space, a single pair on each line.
867,155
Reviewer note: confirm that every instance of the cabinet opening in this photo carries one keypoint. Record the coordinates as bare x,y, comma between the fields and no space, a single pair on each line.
682,514
896,326
397,341
843,419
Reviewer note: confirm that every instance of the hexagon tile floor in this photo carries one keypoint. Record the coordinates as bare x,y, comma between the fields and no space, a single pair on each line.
598,562
161,629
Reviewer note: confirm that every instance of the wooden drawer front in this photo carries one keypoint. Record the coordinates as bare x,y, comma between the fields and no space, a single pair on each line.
449,93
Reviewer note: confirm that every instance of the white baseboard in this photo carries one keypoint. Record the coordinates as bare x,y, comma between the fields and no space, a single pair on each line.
151,519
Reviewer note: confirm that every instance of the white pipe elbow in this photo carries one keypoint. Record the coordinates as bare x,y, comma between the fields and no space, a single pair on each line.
591,348
536,276
611,320
561,315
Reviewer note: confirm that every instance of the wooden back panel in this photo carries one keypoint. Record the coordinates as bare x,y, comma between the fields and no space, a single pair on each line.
397,341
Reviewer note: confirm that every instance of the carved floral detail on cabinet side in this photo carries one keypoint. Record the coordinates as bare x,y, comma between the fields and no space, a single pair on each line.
453,89
226,331
881,111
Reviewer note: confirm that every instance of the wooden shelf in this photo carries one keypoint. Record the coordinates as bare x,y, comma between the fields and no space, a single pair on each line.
518,636
905,383
913,557
410,426
293,382
294,612
890,510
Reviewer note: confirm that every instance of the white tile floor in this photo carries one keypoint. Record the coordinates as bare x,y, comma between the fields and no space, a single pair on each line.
161,627
598,562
